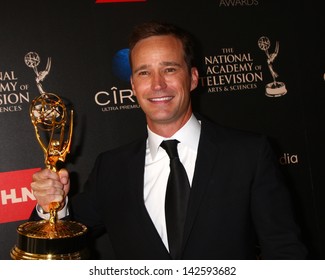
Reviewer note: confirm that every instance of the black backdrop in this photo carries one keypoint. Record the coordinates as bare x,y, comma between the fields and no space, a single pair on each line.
85,41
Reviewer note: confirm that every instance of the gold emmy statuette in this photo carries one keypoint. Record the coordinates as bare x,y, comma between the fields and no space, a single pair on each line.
51,239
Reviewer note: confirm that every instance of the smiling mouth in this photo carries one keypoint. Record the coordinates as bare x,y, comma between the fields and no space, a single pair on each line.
161,99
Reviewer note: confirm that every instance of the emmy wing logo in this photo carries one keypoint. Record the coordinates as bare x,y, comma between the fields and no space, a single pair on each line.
275,88
32,60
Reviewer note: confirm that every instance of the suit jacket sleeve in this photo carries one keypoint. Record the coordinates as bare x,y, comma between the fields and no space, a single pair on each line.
272,210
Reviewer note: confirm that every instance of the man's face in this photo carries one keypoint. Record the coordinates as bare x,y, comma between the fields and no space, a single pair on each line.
161,80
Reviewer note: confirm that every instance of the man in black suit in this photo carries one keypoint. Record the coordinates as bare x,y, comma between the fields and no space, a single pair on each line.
238,200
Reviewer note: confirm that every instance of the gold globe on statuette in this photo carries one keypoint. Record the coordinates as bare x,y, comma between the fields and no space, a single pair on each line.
51,239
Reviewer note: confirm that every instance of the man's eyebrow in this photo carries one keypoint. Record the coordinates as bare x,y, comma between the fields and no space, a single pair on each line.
140,68
170,63
164,63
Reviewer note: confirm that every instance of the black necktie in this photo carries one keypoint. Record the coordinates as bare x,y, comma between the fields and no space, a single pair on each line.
177,194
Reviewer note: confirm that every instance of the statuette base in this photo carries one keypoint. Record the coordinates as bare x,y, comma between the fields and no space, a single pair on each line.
42,240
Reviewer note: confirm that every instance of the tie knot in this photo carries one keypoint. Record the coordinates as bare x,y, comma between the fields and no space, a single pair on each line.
171,148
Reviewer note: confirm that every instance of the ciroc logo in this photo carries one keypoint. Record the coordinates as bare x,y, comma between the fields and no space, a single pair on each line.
116,99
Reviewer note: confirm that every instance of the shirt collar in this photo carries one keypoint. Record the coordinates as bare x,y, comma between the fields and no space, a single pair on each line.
188,135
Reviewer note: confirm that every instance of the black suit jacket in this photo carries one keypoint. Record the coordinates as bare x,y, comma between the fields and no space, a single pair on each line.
238,201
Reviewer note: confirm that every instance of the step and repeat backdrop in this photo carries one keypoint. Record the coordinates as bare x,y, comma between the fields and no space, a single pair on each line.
262,69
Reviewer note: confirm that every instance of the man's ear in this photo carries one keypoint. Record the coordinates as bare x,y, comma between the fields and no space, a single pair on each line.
194,78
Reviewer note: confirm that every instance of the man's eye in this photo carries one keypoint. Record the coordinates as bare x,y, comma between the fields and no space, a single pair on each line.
169,70
143,73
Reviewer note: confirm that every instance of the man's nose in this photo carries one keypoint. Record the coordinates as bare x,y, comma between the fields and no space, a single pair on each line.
158,82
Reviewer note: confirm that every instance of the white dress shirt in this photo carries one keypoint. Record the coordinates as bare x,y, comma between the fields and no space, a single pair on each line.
157,170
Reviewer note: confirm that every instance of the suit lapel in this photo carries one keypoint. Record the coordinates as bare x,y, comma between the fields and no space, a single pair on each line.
136,165
205,166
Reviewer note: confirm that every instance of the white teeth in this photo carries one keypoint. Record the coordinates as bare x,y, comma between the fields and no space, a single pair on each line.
161,99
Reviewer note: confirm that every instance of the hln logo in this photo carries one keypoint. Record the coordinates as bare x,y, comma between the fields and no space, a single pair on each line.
12,196
16,197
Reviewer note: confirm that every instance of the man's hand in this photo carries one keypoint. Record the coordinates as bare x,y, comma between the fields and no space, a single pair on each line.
49,186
